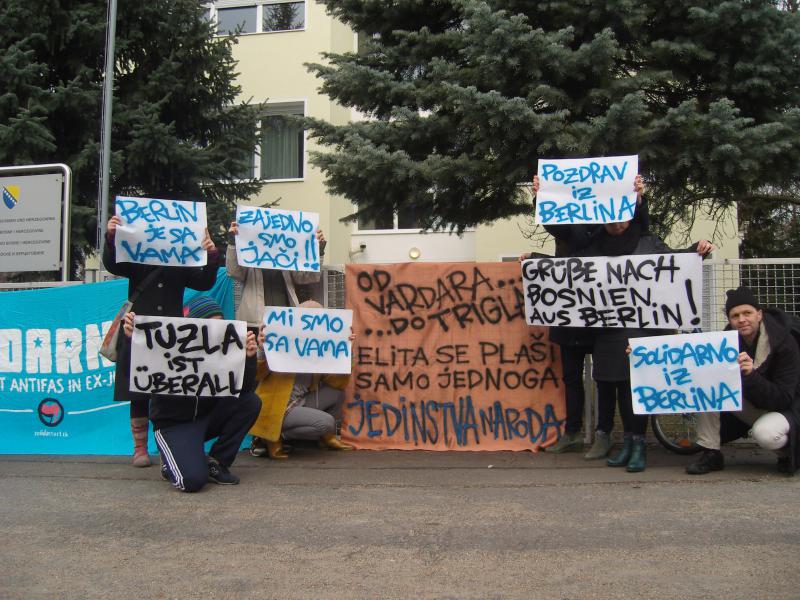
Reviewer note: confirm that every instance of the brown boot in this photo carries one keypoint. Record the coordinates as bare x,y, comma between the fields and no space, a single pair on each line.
139,431
275,450
330,441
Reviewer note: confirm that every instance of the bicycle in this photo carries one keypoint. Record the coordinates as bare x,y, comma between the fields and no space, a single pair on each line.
677,432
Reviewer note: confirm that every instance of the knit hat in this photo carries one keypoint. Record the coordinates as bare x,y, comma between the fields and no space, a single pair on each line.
739,296
202,307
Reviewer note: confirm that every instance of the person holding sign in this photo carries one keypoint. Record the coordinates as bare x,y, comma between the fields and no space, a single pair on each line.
610,365
298,406
575,343
157,291
183,424
769,363
266,287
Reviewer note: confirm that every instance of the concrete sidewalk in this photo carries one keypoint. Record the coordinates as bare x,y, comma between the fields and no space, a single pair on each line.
401,525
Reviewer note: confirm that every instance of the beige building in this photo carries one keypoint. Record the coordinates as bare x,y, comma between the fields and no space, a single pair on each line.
277,38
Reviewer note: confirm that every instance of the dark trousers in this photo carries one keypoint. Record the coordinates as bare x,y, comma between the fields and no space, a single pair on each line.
572,361
611,393
181,446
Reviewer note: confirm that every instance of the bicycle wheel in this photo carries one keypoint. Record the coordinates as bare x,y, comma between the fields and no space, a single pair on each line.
677,432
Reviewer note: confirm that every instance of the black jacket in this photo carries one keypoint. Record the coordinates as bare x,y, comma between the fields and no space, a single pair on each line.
573,240
609,360
162,296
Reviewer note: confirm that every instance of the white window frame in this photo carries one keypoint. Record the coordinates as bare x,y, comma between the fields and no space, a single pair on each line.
284,107
259,4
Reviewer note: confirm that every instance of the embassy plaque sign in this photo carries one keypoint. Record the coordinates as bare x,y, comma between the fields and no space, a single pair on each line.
30,222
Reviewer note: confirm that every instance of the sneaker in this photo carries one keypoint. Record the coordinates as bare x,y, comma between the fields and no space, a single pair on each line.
569,442
601,446
709,460
219,473
258,447
165,472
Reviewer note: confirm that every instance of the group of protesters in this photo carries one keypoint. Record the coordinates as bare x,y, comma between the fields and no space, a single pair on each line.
275,408
769,363
279,408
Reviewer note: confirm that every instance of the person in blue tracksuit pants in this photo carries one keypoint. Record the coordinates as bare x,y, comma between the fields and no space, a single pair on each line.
182,424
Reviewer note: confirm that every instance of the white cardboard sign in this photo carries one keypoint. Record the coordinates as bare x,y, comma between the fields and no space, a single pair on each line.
176,356
695,372
586,190
269,238
161,232
308,340
645,291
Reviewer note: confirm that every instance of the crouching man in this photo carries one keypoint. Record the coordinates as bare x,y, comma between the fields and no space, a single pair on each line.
182,425
769,362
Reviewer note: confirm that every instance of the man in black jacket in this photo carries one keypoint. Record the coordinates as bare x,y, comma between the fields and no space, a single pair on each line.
769,361
183,424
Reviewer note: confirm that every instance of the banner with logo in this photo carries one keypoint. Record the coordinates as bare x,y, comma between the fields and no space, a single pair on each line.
56,391
444,360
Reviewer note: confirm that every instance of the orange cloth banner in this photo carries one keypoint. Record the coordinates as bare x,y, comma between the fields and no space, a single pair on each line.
444,360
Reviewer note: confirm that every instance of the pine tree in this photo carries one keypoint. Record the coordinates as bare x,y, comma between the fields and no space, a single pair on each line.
463,96
177,130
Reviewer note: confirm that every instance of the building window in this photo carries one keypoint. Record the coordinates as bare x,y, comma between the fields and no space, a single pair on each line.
281,149
402,219
280,153
229,20
234,16
284,16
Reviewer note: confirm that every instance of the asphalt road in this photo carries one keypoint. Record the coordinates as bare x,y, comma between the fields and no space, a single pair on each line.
401,525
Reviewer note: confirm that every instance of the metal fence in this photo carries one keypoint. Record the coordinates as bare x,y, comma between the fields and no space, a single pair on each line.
775,282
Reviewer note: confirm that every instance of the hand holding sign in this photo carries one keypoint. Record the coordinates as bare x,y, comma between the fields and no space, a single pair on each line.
187,357
586,190
654,291
696,372
160,232
277,239
308,340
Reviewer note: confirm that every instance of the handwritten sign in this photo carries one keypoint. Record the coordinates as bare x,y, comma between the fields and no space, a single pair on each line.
161,232
648,291
187,357
586,190
277,239
308,340
696,372
445,361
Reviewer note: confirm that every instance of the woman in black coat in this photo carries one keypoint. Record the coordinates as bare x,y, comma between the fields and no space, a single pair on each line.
610,365
162,295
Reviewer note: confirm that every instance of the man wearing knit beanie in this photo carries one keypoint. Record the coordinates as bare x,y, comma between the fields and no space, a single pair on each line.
769,363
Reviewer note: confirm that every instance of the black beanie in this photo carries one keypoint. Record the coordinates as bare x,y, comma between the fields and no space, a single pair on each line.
739,296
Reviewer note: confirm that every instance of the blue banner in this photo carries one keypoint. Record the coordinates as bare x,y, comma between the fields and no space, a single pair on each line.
56,391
